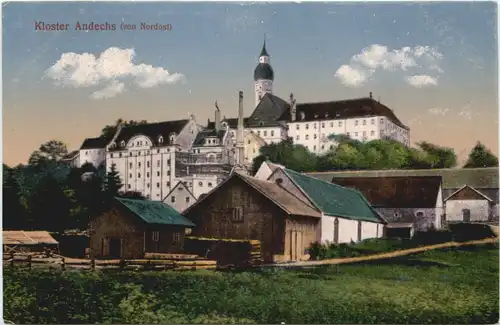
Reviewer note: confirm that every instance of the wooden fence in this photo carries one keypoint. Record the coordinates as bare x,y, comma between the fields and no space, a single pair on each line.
151,262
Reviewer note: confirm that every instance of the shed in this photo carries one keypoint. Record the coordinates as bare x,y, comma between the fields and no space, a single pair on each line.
28,241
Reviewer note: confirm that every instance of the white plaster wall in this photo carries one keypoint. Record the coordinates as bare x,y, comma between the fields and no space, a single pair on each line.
348,230
92,156
264,172
269,134
327,229
370,230
252,147
183,199
478,209
261,88
200,184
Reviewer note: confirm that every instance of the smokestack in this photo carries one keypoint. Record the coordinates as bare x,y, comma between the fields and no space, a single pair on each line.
240,145
293,108
371,95
217,117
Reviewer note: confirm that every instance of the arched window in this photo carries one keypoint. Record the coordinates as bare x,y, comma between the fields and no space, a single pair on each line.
160,139
122,143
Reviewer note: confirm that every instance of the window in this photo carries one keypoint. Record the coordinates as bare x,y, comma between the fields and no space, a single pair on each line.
323,125
111,155
355,134
176,238
138,164
138,175
130,154
156,235
297,127
129,186
147,175
147,164
364,133
372,133
200,184
139,153
157,151
315,136
172,199
157,163
180,189
307,126
322,147
120,155
168,162
373,121
130,165
364,122
356,122
314,148
348,134
158,185
307,136
147,185
168,184
331,124
209,184
168,172
272,133
297,137
130,176
158,173
187,199
237,214
258,132
381,120
248,141
340,123
265,133
160,139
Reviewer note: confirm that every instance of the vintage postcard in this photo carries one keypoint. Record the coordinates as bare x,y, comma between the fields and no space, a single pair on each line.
250,163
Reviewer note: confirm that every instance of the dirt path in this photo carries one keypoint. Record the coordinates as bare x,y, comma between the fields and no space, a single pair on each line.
384,255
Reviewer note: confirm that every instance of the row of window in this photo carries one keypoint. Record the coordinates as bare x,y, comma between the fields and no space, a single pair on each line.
172,199
315,136
339,123
322,147
120,154
147,174
158,164
176,237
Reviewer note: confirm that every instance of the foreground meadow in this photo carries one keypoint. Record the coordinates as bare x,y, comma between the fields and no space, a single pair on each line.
448,286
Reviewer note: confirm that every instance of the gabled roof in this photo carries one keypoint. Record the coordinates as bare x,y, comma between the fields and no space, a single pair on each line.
19,237
155,212
342,109
453,178
334,200
151,130
94,143
179,184
396,192
231,122
202,135
268,111
470,188
273,192
70,156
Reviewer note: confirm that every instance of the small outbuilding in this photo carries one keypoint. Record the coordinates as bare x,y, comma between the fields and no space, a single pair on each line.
28,241
132,227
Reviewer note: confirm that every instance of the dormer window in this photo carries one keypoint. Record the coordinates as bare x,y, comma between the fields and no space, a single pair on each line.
172,137
337,114
112,145
326,115
315,115
160,139
122,143
302,116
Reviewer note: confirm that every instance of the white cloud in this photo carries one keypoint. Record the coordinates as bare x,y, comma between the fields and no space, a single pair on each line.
421,80
467,111
110,68
377,57
113,89
439,111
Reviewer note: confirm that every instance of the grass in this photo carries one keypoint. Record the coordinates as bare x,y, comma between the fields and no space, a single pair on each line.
449,286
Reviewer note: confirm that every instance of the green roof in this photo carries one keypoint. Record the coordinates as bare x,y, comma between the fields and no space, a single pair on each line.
155,212
335,200
453,178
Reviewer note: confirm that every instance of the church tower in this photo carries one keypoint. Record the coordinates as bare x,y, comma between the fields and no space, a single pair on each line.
263,76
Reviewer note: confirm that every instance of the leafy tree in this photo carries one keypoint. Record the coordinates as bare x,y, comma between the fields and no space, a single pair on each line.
292,156
14,212
109,130
481,157
112,183
439,157
51,151
50,205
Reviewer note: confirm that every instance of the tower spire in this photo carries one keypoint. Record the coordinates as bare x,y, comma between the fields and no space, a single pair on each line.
264,51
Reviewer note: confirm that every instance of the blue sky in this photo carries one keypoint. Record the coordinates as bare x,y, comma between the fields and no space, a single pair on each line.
214,46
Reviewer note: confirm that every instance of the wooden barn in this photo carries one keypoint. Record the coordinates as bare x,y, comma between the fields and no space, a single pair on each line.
132,227
28,241
246,208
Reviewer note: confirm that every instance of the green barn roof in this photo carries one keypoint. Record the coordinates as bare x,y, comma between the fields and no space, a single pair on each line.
335,200
155,212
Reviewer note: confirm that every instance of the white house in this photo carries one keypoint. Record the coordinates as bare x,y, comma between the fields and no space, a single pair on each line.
180,197
468,204
340,222
93,151
411,201
266,169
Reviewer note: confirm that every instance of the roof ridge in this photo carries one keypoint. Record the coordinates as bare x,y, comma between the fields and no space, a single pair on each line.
153,123
336,101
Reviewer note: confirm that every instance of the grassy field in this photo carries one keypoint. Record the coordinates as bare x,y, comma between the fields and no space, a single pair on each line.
445,287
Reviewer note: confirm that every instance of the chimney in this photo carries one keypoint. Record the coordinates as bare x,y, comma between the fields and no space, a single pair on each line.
293,108
371,96
217,117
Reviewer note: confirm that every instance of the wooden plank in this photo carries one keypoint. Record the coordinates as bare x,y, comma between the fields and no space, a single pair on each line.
166,256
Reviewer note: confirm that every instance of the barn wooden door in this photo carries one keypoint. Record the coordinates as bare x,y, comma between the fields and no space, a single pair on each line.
296,243
336,231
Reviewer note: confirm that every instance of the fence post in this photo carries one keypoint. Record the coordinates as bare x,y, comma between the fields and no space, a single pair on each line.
29,262
92,264
122,264
63,264
11,259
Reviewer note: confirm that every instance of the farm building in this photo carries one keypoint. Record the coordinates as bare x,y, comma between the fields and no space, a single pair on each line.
346,215
246,208
468,204
482,180
180,197
28,241
132,227
408,201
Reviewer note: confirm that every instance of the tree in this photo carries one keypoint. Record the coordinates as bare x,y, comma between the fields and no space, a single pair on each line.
438,157
481,157
132,195
112,183
292,156
14,212
109,130
51,151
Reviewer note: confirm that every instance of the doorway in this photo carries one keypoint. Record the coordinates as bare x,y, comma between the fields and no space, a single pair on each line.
336,231
296,243
115,247
466,215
